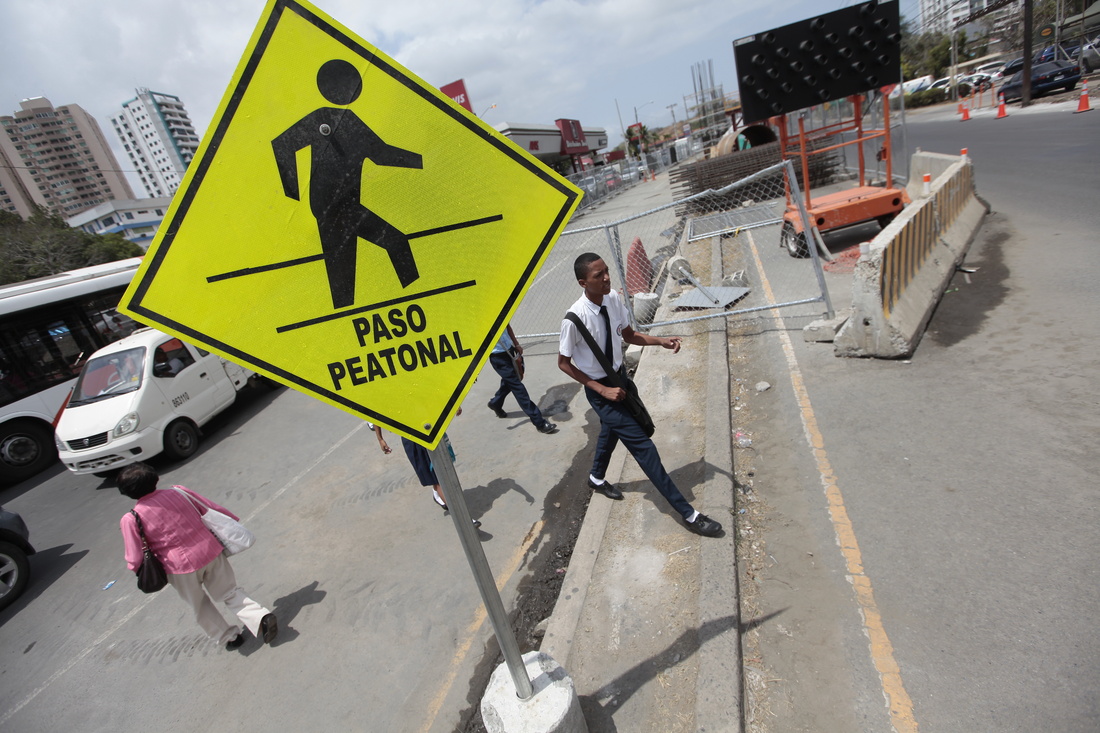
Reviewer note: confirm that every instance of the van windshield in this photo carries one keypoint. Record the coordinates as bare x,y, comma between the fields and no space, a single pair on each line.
104,377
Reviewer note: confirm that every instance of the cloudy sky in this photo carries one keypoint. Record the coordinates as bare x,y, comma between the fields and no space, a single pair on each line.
537,60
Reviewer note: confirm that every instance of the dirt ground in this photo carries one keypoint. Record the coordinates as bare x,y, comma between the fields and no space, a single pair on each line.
537,592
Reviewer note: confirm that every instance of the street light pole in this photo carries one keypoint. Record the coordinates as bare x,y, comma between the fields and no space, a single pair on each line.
641,138
491,106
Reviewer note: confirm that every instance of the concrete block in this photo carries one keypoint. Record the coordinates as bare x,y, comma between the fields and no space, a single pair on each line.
824,330
645,306
553,708
869,331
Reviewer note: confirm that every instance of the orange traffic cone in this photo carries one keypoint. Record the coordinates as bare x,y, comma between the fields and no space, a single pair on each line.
966,113
1083,104
1001,108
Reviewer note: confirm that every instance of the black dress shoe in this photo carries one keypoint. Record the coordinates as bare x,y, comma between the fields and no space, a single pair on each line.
269,628
499,412
705,526
549,428
234,643
606,488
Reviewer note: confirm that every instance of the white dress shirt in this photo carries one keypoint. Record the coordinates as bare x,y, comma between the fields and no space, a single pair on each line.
573,346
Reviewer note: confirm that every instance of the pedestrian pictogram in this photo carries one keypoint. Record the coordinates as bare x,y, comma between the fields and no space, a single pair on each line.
349,230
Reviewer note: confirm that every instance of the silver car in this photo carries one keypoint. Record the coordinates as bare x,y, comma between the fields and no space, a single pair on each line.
1090,55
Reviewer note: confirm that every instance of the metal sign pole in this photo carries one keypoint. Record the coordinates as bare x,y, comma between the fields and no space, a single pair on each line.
452,493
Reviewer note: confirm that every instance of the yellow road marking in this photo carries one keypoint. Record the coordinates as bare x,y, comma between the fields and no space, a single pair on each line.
475,624
882,651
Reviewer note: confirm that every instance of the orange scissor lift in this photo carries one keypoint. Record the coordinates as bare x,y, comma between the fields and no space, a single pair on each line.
857,205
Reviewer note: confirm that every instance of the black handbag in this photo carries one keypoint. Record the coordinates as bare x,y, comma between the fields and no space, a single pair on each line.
150,574
633,401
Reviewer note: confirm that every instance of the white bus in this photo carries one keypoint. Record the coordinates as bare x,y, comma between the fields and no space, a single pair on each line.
48,328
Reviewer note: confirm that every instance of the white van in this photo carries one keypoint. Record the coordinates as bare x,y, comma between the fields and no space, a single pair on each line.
149,392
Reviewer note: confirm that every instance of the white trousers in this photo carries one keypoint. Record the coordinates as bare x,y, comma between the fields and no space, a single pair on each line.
217,579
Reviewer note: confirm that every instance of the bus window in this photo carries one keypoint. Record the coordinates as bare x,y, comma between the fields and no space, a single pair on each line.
12,386
109,324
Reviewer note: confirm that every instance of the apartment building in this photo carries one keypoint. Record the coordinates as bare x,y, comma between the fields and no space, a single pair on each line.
137,220
159,138
942,15
56,158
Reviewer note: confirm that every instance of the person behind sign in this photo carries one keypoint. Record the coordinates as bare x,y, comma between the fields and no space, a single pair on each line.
421,461
603,313
192,556
511,382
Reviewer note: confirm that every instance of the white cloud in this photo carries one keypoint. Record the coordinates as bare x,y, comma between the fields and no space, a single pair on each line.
538,61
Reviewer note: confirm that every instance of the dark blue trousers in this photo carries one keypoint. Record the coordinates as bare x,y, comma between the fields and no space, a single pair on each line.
618,425
510,383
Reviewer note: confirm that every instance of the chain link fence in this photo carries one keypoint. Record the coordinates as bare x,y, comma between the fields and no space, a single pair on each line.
605,181
772,264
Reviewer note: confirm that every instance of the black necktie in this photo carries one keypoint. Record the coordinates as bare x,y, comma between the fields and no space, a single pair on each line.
606,334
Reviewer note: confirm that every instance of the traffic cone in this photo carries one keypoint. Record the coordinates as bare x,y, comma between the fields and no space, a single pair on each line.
966,113
1001,108
1083,103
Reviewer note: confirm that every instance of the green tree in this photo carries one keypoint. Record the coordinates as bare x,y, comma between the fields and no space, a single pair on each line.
45,245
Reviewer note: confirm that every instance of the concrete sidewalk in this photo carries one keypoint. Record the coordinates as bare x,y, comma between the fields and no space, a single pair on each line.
647,620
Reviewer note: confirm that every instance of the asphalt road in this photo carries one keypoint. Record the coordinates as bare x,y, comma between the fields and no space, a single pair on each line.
968,471
381,625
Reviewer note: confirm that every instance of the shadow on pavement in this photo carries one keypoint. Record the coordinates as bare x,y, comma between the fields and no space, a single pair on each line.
600,716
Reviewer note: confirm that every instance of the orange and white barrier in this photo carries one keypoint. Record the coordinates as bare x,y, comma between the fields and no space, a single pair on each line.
900,278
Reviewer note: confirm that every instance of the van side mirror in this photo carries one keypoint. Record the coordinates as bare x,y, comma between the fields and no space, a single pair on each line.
162,370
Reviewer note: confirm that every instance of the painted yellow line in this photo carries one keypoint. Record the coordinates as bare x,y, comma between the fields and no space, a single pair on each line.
475,624
882,651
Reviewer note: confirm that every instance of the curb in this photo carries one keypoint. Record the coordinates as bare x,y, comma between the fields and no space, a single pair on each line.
718,601
720,666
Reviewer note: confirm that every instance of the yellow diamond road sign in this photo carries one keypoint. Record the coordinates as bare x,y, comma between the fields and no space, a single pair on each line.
348,230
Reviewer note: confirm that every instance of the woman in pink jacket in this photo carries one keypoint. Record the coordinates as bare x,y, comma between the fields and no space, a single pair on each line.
192,556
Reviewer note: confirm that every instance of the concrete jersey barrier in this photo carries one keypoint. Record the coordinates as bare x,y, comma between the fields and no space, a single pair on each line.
903,271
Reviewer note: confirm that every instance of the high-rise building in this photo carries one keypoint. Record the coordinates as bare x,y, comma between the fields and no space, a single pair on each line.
57,159
158,136
942,15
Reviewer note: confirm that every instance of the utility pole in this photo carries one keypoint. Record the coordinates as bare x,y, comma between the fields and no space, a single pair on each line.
672,108
1025,91
626,142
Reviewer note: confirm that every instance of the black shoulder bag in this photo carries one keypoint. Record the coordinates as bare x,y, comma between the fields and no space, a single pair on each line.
633,401
150,574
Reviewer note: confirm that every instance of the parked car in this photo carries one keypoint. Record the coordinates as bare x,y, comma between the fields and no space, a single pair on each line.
1045,77
915,85
991,69
980,82
15,547
1012,67
1064,52
1090,55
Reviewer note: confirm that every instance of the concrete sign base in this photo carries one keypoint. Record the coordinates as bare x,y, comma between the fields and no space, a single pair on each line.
554,708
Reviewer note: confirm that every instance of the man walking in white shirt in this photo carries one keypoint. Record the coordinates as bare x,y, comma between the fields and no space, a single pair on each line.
606,318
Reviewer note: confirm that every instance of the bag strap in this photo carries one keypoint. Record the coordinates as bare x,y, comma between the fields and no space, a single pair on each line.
596,350
189,498
141,530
